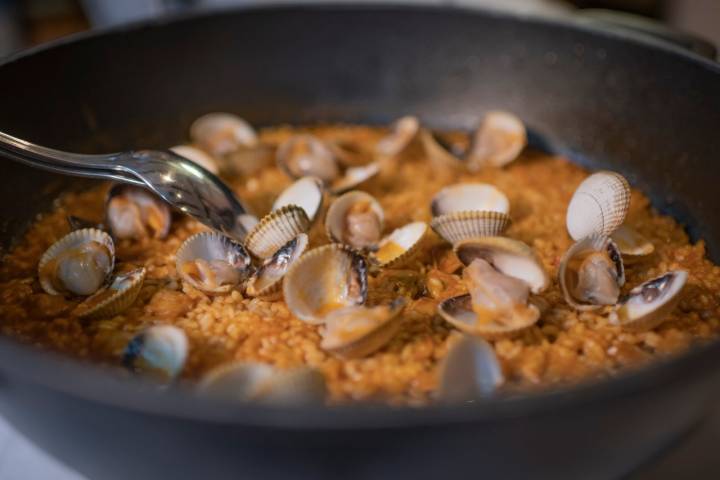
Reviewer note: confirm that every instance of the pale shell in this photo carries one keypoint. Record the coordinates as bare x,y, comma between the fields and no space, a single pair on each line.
198,156
465,197
508,256
469,371
306,193
325,278
598,206
354,177
73,240
458,311
399,247
499,140
267,280
124,290
459,226
358,331
222,133
649,304
276,229
159,351
337,212
306,155
402,132
632,245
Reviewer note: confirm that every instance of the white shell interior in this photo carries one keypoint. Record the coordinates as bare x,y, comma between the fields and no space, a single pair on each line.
464,197
306,193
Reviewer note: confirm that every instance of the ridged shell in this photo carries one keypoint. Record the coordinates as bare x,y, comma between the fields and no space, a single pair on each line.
324,279
70,241
353,177
222,133
649,304
276,229
158,351
399,247
306,193
499,139
358,331
459,226
402,132
267,280
632,245
115,298
337,212
470,370
458,311
198,156
508,256
211,246
598,206
466,197
593,243
306,155
263,383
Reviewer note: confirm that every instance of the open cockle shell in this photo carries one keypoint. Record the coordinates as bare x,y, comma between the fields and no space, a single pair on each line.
440,154
398,248
115,298
632,245
276,229
306,155
508,256
267,280
306,193
135,212
249,382
353,177
222,133
324,279
470,371
77,264
227,262
598,206
356,219
402,132
159,351
569,279
357,331
458,226
649,304
466,197
197,156
459,312
499,140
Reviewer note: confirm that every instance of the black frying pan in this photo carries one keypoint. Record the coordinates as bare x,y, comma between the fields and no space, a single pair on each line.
622,101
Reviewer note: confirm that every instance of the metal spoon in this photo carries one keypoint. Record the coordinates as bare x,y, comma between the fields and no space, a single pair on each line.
183,184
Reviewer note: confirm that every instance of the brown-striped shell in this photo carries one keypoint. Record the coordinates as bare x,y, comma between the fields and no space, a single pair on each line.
78,264
357,331
591,273
356,219
212,262
276,229
598,206
458,226
649,304
267,279
115,298
325,279
508,256
498,140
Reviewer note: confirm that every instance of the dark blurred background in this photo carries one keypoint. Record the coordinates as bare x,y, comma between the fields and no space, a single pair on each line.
28,22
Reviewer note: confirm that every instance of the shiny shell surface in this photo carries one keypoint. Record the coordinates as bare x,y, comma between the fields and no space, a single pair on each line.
400,245
159,351
276,229
459,312
649,304
115,298
77,264
459,226
356,219
306,193
325,279
498,140
267,280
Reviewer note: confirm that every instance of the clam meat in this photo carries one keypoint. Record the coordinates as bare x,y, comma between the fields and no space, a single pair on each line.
134,212
212,262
